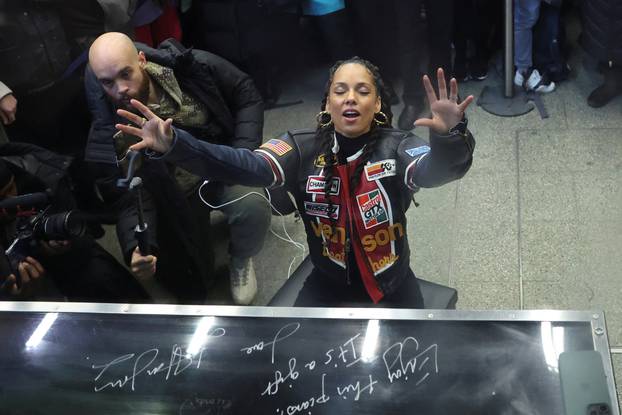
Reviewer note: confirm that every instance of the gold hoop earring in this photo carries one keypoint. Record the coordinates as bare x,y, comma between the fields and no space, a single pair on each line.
384,119
321,116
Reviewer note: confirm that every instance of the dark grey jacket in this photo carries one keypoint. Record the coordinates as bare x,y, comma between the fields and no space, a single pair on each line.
34,52
602,30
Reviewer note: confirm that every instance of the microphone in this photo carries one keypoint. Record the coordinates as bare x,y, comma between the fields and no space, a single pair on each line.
23,203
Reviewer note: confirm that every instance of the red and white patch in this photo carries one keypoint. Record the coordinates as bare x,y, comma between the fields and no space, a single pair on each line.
316,184
372,208
323,210
380,169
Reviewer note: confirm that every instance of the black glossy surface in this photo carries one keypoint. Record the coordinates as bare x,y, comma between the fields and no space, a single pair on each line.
427,367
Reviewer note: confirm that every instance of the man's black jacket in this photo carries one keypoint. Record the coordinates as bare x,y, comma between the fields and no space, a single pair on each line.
233,103
40,170
228,93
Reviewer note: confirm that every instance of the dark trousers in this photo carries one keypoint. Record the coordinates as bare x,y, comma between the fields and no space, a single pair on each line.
413,42
549,38
373,28
89,273
336,34
320,290
56,118
475,21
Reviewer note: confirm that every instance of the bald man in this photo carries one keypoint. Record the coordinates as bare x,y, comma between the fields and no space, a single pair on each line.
213,101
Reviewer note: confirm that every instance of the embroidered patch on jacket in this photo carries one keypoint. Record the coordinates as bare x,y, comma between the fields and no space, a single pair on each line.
315,184
414,152
323,210
320,161
372,208
279,147
380,169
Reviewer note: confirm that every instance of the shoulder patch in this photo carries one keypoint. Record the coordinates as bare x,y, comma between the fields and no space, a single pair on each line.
415,151
279,147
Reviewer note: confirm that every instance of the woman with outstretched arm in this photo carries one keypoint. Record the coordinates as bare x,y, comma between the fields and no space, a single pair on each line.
352,178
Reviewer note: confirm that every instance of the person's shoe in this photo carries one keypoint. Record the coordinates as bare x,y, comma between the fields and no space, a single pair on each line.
519,78
243,281
479,71
460,72
602,95
410,114
533,81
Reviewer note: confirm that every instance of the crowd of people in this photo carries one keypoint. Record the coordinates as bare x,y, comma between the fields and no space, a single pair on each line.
85,84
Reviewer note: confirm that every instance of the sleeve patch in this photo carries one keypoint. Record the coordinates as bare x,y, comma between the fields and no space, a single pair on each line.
279,147
415,151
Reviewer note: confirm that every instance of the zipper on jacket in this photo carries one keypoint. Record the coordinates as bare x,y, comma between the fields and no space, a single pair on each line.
346,250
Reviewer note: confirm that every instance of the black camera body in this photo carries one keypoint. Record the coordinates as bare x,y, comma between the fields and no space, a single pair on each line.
42,226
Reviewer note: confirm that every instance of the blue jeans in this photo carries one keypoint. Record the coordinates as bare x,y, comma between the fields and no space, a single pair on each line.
526,14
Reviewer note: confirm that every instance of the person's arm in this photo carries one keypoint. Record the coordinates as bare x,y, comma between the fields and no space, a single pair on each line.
210,161
450,152
242,98
219,163
447,157
8,105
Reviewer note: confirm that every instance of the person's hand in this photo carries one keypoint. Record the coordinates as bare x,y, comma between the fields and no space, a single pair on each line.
8,108
446,112
156,133
55,247
31,273
143,267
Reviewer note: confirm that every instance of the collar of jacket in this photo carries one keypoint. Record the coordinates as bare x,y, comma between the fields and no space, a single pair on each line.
170,53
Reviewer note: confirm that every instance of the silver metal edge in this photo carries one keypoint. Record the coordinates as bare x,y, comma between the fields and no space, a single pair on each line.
595,317
300,312
601,344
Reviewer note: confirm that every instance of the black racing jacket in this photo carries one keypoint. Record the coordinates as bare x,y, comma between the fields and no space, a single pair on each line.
368,221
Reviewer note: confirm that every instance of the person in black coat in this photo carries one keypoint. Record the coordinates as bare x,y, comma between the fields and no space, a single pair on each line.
212,100
602,38
72,266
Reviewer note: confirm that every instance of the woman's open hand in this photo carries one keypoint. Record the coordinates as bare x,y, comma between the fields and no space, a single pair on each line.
156,133
446,112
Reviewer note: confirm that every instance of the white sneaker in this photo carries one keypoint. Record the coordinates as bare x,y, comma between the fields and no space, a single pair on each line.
242,280
519,79
533,81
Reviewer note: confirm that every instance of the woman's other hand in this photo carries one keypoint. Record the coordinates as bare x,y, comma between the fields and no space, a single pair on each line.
446,112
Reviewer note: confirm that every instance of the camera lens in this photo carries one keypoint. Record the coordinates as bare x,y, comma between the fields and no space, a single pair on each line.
61,226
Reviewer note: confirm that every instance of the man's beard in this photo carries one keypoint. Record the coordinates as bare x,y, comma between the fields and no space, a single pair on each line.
142,96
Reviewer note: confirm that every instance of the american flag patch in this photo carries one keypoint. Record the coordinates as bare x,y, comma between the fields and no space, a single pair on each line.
279,147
